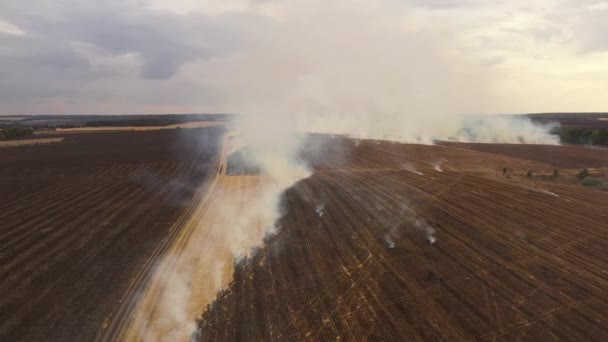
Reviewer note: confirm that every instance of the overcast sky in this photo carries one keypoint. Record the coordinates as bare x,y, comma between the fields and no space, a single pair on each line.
179,56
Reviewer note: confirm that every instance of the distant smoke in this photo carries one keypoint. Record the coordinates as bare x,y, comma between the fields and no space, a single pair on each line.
506,129
390,243
320,208
428,231
512,129
437,166
537,190
409,167
359,73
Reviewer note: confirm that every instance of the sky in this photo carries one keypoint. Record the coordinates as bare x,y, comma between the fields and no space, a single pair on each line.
189,56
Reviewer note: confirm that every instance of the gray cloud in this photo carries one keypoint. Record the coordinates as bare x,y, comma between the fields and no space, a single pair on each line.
116,52
41,53
592,30
441,3
164,41
159,67
581,21
126,54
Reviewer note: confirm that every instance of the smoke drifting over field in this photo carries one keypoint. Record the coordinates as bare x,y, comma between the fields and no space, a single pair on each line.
345,68
339,68
506,129
240,211
342,68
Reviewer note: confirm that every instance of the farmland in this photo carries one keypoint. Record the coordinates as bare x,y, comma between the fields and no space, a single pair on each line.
89,129
384,241
568,157
86,220
423,242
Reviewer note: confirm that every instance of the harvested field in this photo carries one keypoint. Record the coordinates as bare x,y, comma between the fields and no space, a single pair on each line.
85,222
408,242
200,259
385,241
24,142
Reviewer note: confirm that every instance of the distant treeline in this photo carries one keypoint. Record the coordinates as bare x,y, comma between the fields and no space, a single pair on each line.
134,122
7,133
568,115
69,121
583,135
154,120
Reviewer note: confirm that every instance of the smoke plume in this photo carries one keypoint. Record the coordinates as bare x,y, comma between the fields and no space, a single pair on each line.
349,68
337,67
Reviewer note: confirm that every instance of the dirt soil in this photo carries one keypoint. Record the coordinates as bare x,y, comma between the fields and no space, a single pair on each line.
409,242
83,224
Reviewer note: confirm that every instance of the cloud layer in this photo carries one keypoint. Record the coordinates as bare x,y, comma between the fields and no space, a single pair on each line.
129,56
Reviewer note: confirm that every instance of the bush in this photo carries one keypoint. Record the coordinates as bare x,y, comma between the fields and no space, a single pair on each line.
583,135
7,133
529,174
592,181
583,174
599,137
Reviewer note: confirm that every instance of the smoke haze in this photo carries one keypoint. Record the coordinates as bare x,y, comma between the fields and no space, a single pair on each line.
338,68
344,68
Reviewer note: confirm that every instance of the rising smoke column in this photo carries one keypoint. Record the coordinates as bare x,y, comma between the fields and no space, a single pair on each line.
343,68
366,70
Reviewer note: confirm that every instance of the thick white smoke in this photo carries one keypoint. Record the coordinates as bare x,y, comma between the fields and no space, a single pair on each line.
505,129
238,213
366,70
340,67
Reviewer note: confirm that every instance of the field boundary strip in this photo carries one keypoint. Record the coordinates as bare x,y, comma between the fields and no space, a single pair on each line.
123,320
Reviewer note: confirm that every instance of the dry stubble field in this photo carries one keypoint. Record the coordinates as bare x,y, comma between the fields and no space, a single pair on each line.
83,221
353,260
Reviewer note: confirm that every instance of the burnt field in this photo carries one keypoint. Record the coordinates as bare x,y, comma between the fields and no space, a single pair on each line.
567,156
408,242
84,222
384,241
